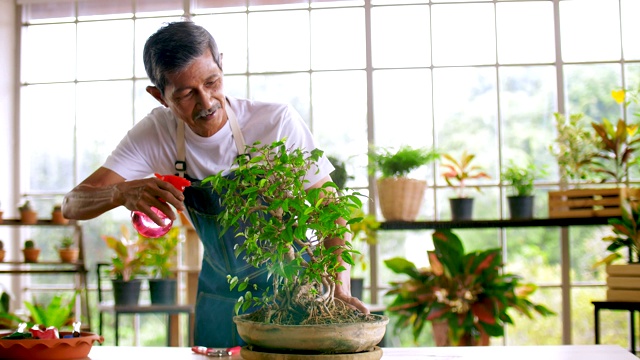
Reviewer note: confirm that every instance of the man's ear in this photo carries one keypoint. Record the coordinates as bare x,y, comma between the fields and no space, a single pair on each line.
155,92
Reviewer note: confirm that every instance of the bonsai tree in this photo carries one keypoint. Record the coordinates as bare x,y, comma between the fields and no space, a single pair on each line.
268,192
468,292
459,170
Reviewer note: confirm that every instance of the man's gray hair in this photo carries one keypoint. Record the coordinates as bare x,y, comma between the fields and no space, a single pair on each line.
173,47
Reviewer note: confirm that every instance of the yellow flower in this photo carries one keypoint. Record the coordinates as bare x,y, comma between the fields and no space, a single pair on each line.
618,95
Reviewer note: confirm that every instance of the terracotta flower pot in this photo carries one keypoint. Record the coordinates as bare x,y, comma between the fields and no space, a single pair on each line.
69,255
29,217
57,218
1,213
31,255
2,255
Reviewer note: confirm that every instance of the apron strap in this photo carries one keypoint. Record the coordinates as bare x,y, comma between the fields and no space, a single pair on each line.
238,138
180,164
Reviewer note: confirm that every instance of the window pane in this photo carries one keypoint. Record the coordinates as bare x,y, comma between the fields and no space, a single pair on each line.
230,33
410,23
590,30
542,330
144,29
402,102
48,53
476,89
525,32
340,119
528,101
588,90
143,101
101,126
279,41
290,89
338,39
48,136
630,29
105,50
236,86
463,34
200,6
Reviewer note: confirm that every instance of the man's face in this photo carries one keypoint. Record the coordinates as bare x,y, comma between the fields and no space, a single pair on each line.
196,95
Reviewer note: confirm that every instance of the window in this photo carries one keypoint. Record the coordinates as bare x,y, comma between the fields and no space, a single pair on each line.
480,75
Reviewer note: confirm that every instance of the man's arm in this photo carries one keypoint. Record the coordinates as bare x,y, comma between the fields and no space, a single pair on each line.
105,190
343,290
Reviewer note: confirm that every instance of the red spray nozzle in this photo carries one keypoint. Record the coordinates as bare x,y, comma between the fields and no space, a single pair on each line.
179,182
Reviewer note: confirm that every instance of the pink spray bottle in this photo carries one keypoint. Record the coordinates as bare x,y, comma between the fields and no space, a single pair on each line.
144,225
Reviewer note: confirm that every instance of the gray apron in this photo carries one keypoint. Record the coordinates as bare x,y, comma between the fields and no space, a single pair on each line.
214,326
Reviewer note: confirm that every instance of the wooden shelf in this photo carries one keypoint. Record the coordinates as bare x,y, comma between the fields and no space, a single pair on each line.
502,223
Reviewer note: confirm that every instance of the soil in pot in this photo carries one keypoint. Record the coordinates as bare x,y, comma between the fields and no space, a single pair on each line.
126,292
520,207
461,208
163,291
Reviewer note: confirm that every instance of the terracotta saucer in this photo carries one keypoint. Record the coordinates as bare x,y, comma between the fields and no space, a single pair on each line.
53,349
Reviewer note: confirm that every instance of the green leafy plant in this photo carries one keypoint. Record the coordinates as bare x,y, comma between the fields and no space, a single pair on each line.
58,312
626,234
401,162
268,192
66,242
26,206
161,253
459,170
616,146
520,178
468,291
128,261
574,147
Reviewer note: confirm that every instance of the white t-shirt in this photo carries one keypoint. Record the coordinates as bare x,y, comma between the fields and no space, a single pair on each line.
150,146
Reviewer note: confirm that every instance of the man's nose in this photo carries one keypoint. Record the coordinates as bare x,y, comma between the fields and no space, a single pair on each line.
205,100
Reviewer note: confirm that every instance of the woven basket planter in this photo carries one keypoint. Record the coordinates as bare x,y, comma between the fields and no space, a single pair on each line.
400,198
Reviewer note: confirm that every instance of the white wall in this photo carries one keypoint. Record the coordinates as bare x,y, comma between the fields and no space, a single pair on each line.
8,138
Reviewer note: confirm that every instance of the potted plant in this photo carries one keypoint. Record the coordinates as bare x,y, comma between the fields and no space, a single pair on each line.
520,181
67,250
3,253
57,217
28,215
1,213
574,148
466,296
457,172
289,228
126,265
160,258
399,196
30,251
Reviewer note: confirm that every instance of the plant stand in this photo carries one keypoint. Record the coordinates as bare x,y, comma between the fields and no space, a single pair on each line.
604,202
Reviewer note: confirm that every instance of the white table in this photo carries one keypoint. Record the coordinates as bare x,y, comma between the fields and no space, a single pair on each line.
564,352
